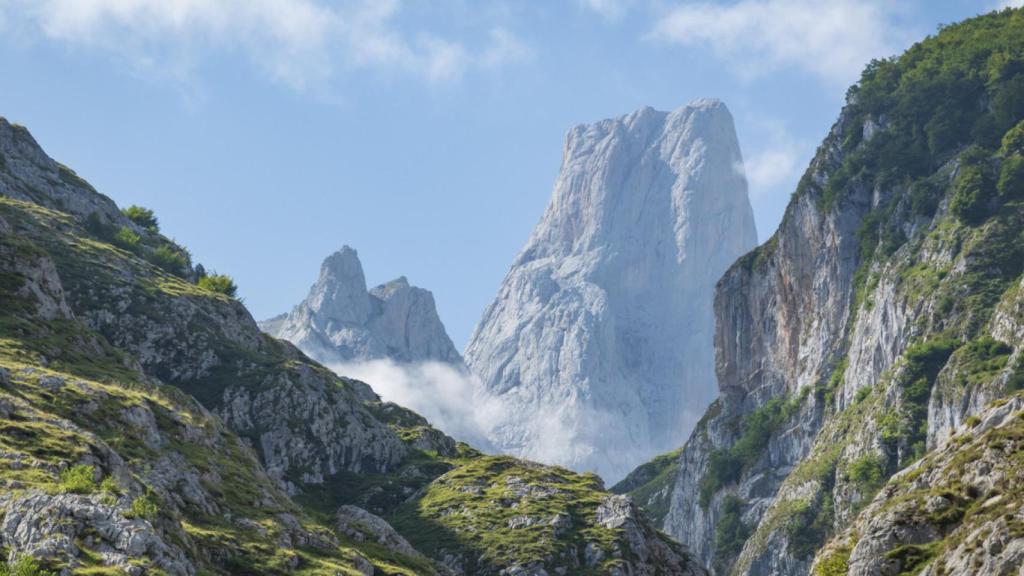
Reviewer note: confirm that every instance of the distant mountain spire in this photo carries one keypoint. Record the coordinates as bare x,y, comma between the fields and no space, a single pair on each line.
599,342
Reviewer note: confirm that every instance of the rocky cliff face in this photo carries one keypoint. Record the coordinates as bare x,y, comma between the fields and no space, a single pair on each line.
339,321
880,319
599,341
147,426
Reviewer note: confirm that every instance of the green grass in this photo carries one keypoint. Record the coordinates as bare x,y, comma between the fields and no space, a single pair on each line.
473,509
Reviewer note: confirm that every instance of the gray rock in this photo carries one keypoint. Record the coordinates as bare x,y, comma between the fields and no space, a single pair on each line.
599,342
339,321
363,526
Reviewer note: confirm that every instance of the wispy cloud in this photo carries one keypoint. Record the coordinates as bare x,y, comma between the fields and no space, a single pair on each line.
610,9
446,396
832,40
301,43
1009,4
778,162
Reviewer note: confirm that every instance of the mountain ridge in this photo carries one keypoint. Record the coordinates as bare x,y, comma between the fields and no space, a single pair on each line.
341,321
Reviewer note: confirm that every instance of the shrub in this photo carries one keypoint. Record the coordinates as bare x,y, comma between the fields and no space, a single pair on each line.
110,486
725,466
862,394
169,259
1011,178
143,508
219,283
94,225
730,533
143,217
972,192
836,563
78,479
723,469
810,527
867,473
1013,140
127,239
924,197
23,566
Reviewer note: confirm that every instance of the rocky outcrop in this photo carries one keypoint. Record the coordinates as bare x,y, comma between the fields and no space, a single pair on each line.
363,526
27,173
878,320
339,321
546,520
46,526
598,344
957,511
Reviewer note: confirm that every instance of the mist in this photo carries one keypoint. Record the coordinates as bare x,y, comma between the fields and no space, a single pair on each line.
447,396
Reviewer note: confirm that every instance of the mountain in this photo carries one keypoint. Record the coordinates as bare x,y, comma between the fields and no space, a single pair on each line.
147,426
869,355
339,321
599,343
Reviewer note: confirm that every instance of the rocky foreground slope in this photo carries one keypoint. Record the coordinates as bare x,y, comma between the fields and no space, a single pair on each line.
340,321
599,342
869,355
147,426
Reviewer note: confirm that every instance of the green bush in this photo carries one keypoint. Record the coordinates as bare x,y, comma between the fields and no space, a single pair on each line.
78,479
835,564
143,217
219,283
1011,178
1013,140
924,197
110,486
143,508
867,473
730,533
127,239
972,193
725,466
170,259
23,566
94,225
810,527
723,469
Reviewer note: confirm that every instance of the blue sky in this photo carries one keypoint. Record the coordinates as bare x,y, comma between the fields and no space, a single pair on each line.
426,134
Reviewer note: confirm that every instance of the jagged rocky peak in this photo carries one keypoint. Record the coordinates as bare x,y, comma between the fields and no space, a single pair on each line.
339,294
599,343
340,321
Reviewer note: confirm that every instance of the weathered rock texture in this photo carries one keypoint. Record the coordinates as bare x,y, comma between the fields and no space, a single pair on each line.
148,426
339,321
599,341
881,317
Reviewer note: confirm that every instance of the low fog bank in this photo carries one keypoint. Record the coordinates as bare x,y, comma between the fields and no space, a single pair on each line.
443,394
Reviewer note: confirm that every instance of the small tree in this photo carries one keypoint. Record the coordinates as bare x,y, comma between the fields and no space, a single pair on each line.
143,217
127,239
170,259
220,283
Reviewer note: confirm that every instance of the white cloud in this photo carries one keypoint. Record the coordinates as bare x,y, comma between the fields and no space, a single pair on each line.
446,396
610,9
301,43
832,40
778,162
1010,4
